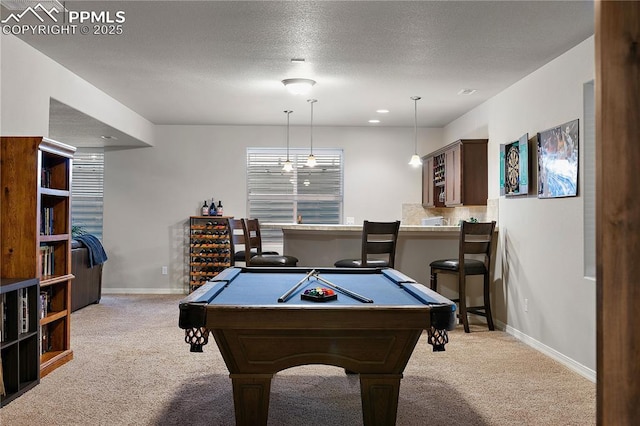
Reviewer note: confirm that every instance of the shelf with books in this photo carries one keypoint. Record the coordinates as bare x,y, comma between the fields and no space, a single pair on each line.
19,336
52,256
36,232
53,214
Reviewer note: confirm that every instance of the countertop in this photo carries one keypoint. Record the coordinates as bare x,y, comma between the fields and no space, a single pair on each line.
357,228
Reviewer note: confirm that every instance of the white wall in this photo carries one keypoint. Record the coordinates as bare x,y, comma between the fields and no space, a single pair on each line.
151,192
541,239
30,79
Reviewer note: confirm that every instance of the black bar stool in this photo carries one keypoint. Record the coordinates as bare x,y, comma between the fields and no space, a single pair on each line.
237,241
378,238
253,242
475,239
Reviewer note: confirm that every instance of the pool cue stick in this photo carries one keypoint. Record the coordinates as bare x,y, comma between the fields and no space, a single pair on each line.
285,296
343,290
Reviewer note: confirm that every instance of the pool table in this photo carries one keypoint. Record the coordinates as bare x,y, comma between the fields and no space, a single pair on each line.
258,335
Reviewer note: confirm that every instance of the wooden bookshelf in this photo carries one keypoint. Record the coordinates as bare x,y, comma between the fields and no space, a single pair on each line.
36,234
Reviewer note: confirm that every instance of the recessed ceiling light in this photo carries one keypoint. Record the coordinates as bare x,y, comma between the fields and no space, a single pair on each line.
382,111
374,121
111,138
467,91
297,60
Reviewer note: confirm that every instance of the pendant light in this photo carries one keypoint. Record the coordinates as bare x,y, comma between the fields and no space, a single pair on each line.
287,164
311,160
415,158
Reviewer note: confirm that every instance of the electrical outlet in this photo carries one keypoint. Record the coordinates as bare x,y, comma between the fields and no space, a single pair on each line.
351,220
164,270
526,305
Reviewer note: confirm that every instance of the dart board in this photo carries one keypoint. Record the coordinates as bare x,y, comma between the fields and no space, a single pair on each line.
512,157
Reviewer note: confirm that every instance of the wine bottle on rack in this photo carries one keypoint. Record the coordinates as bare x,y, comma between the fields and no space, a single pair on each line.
212,208
219,210
205,209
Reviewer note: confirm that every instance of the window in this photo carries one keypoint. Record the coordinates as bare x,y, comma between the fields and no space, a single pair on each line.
87,192
312,193
589,181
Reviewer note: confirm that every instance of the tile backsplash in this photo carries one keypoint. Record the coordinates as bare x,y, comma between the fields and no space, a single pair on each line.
412,214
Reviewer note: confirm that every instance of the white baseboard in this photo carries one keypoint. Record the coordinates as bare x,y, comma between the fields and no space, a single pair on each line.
129,290
550,352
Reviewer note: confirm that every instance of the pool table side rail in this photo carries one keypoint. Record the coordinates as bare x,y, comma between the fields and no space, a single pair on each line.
199,314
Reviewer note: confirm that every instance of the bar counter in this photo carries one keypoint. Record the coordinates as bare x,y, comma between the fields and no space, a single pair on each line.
322,245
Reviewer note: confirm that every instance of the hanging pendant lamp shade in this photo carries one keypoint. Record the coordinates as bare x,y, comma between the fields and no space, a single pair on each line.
415,158
311,159
287,164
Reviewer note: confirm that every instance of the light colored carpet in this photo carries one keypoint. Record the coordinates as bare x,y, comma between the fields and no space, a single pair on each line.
132,367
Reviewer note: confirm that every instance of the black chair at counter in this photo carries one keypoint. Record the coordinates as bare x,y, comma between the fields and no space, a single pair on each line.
475,239
253,243
237,241
378,238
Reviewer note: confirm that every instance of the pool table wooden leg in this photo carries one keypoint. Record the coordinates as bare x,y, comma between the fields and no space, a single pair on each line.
379,393
251,398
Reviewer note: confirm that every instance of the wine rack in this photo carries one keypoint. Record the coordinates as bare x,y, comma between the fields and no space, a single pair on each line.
438,170
209,248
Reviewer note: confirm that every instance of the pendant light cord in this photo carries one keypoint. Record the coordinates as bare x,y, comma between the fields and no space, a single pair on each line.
311,101
415,122
415,158
288,112
311,160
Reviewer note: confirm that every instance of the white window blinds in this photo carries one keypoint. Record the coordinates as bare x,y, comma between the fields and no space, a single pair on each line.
313,193
87,192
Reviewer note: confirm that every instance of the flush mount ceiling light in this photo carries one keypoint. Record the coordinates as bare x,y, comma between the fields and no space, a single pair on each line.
415,158
311,160
298,86
467,92
287,164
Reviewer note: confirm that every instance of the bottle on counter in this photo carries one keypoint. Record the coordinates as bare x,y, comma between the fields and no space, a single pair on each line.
219,210
212,208
205,209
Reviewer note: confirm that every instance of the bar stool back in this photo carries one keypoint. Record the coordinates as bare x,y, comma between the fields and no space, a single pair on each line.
378,238
237,242
253,243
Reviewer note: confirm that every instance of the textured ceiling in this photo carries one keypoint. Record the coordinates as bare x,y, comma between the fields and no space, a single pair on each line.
218,62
